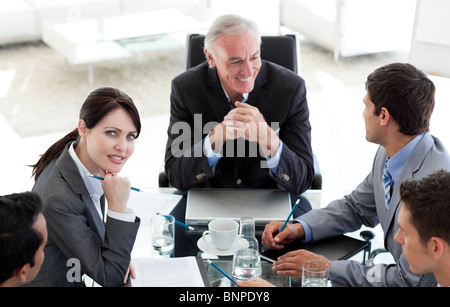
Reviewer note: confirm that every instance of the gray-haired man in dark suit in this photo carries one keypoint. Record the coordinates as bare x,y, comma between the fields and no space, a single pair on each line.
238,121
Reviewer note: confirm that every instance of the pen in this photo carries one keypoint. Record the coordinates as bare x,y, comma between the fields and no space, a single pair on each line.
222,272
181,223
292,211
101,178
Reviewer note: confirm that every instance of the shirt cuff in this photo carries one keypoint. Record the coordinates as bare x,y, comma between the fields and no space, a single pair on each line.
213,157
129,216
273,162
307,229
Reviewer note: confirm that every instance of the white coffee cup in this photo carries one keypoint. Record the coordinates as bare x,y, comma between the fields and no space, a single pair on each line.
222,233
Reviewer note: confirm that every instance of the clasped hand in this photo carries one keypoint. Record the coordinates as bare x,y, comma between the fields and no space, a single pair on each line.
247,122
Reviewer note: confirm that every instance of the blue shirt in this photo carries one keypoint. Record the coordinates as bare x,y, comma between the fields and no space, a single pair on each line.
395,163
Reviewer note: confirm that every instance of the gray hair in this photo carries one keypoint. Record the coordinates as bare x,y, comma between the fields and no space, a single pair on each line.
229,24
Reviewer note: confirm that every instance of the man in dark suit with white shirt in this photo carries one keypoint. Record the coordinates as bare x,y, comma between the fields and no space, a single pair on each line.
238,121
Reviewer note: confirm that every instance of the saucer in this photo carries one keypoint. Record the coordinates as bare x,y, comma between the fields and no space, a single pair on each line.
211,249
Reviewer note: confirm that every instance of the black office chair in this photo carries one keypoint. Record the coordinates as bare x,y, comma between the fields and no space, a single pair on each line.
282,50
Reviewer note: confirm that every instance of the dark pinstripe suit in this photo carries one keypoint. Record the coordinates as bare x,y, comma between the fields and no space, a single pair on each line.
279,94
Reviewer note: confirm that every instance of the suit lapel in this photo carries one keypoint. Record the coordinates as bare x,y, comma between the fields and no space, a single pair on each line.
411,166
218,102
69,171
254,98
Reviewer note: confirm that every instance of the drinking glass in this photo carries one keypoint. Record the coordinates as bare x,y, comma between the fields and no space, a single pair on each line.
315,273
246,261
163,236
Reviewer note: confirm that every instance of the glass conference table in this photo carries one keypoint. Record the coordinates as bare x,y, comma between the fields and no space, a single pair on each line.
186,245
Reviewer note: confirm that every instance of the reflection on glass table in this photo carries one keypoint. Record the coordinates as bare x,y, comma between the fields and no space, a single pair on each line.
216,279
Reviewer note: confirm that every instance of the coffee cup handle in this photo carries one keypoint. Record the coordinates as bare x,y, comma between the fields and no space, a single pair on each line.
204,235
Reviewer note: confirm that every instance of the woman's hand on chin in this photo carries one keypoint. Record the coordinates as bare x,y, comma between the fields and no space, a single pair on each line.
117,192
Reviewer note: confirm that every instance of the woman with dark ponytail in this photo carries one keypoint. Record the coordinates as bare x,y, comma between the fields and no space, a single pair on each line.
80,239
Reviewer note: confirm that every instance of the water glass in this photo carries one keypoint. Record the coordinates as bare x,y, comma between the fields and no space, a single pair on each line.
315,273
246,260
163,236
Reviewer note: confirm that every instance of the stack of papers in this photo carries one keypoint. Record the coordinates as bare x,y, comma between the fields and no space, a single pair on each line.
145,204
167,272
161,272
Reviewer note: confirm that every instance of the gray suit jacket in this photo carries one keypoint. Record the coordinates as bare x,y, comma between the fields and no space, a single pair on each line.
198,103
75,230
366,206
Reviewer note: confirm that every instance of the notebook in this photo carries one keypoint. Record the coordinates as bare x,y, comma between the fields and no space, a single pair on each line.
204,205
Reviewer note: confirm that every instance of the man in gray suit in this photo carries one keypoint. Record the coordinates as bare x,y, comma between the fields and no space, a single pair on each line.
398,106
237,121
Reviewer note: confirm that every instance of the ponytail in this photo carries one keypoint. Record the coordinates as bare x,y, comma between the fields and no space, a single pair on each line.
53,152
97,105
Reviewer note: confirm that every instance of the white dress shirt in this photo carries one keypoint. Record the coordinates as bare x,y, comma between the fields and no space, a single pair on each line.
94,187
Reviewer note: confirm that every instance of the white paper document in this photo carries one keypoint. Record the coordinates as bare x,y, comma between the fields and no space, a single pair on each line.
167,272
146,204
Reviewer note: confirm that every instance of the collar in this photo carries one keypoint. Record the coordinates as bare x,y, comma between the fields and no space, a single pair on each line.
93,186
395,163
245,95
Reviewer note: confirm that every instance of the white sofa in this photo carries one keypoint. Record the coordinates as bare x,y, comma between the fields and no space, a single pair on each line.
17,22
23,18
346,27
352,27
63,10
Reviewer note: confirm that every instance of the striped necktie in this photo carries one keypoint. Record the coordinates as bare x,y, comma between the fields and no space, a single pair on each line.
387,185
